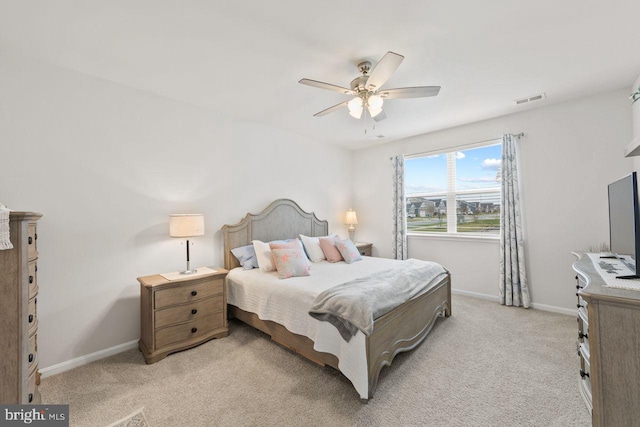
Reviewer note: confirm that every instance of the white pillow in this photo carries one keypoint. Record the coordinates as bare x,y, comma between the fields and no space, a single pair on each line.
312,247
264,256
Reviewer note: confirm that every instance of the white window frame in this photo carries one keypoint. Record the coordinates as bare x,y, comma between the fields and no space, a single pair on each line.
451,195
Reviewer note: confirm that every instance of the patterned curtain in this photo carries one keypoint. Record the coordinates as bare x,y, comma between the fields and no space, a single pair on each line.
513,278
399,210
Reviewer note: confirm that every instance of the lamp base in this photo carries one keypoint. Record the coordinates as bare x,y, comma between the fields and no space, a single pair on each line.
194,271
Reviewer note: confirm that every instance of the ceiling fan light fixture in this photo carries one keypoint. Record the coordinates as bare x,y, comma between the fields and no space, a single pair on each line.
374,105
355,107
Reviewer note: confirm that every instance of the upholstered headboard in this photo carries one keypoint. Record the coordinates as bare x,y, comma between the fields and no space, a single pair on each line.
282,219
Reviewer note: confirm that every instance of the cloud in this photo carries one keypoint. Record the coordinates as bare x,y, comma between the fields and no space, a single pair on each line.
480,179
421,189
491,164
460,155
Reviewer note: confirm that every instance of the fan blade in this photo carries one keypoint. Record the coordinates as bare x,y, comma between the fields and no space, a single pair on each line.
410,92
327,86
383,70
380,116
331,109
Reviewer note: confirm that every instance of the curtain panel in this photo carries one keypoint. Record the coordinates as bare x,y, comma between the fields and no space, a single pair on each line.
399,210
513,286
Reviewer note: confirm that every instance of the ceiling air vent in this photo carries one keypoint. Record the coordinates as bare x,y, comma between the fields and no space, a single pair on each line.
530,99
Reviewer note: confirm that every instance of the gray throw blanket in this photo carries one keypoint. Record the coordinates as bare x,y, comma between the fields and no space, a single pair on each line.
354,305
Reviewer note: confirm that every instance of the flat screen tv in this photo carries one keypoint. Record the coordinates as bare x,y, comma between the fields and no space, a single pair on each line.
624,220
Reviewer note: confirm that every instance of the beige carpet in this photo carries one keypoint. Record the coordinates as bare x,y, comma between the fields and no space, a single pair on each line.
488,365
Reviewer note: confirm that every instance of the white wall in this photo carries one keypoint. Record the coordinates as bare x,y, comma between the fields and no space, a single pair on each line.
106,165
570,153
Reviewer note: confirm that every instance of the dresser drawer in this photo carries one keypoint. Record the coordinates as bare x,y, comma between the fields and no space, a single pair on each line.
187,293
33,278
33,393
585,368
32,354
32,316
32,237
189,330
187,312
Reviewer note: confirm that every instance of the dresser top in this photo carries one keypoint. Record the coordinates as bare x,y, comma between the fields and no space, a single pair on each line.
595,289
17,215
157,279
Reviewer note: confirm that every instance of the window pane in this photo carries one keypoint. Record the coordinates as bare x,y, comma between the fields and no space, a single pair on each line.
478,168
427,214
479,212
425,175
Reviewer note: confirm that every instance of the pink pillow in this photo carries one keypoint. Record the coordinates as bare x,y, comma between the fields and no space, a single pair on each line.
328,245
290,263
294,244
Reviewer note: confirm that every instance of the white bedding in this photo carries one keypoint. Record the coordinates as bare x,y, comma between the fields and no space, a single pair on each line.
287,302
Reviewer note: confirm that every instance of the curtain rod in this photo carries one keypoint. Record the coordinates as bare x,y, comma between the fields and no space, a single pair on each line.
517,135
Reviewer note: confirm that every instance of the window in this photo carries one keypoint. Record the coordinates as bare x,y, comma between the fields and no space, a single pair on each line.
454,192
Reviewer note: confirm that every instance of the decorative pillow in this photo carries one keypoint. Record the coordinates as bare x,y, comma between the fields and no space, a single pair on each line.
328,245
348,250
312,247
290,244
290,263
264,256
246,256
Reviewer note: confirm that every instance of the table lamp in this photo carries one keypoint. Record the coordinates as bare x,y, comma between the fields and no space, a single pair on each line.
351,219
186,225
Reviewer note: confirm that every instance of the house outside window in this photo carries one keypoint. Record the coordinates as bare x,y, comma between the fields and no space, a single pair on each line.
455,192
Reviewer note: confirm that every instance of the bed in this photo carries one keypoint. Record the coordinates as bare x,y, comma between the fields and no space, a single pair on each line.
259,299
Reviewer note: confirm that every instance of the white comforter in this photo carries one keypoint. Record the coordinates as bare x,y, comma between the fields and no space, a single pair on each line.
287,302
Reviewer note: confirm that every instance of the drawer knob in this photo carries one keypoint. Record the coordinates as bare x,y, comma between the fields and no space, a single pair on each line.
578,305
194,330
583,373
30,279
194,293
31,318
581,335
30,397
30,357
30,240
194,311
577,286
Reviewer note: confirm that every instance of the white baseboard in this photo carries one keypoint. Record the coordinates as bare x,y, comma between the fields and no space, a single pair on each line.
83,360
537,306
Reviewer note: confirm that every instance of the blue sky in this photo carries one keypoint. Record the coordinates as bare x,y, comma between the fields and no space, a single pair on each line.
475,168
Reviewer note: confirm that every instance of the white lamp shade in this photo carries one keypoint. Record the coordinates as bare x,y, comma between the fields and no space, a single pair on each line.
186,225
374,105
355,107
351,218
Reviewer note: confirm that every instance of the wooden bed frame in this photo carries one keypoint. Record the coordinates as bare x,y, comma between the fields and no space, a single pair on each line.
402,329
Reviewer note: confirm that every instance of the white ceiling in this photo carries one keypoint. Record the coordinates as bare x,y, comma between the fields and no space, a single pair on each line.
244,58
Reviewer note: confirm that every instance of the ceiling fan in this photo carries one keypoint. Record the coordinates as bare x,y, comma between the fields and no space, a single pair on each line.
366,89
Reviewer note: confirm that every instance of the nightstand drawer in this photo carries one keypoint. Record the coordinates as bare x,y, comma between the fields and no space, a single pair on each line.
188,293
187,312
189,330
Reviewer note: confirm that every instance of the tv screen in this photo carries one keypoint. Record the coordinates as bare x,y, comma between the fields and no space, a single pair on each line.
624,217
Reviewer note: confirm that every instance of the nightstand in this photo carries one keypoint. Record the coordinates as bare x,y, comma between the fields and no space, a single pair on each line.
364,248
182,313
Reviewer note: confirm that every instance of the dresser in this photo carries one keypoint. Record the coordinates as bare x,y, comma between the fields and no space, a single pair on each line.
19,375
608,348
182,313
